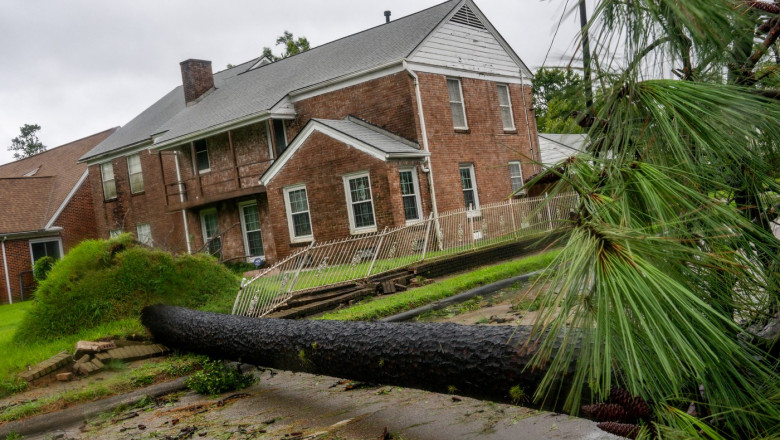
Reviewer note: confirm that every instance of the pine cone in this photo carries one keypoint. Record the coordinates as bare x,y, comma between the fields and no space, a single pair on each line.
636,407
606,412
620,429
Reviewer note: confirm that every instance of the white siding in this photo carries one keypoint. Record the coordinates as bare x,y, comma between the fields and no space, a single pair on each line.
459,46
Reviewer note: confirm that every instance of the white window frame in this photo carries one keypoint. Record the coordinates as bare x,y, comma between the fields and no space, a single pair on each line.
195,158
244,232
288,209
130,173
470,167
112,181
144,238
417,195
508,105
348,194
202,214
462,103
519,167
45,240
114,233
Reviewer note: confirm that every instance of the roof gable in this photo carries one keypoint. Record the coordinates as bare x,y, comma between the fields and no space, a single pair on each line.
372,140
466,40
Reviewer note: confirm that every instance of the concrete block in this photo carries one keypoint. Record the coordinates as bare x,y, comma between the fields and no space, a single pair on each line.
65,377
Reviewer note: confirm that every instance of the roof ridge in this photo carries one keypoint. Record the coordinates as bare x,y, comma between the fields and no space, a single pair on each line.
363,31
33,156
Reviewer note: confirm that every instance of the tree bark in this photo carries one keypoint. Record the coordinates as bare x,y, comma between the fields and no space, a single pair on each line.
479,361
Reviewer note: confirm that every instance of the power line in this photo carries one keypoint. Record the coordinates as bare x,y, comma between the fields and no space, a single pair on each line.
563,14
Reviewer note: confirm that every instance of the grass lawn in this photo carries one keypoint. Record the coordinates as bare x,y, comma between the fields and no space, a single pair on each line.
16,357
375,308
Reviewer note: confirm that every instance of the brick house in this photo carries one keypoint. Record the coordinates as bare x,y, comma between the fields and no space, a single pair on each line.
424,114
46,209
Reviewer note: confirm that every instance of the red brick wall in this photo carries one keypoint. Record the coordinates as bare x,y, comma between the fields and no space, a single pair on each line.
17,260
129,210
485,144
386,102
320,164
78,218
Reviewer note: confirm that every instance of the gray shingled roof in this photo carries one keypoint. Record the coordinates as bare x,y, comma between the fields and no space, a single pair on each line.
376,137
241,95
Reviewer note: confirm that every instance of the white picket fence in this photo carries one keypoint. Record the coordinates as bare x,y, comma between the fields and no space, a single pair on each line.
346,261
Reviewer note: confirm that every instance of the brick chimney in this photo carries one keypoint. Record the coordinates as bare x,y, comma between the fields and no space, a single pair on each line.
197,78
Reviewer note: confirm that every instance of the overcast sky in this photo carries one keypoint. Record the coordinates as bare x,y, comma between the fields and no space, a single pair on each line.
79,67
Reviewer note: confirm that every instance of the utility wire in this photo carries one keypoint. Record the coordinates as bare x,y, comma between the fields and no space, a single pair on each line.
563,14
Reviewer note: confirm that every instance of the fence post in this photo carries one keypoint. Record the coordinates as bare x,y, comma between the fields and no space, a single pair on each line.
427,233
376,252
512,215
470,219
549,213
300,266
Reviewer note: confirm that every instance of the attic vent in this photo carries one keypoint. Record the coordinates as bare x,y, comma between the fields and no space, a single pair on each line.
467,17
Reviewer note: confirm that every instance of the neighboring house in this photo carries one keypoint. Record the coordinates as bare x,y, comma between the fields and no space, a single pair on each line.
424,114
45,209
558,147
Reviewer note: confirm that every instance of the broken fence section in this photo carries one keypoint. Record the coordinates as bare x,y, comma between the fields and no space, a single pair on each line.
346,261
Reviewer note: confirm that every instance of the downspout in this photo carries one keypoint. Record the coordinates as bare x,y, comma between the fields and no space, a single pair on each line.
5,271
424,138
535,159
181,199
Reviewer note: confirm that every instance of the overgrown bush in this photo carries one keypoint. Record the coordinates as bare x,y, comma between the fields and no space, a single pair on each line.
105,280
42,267
216,378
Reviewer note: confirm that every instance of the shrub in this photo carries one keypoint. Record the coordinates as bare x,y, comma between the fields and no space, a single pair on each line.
105,280
217,378
42,267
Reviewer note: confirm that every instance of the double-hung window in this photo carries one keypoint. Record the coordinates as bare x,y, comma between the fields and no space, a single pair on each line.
144,232
202,156
298,218
250,225
360,205
109,184
135,173
209,226
457,107
505,103
516,175
469,185
410,193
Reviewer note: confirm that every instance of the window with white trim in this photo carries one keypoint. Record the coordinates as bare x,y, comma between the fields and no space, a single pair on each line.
202,156
516,176
109,184
457,106
135,173
410,193
360,204
298,219
144,233
209,227
280,136
45,248
114,233
469,185
250,226
505,103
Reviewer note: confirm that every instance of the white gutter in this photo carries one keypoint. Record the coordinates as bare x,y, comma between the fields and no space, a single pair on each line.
181,199
424,138
534,160
5,271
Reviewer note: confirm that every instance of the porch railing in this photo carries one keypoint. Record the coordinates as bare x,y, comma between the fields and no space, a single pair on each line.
352,259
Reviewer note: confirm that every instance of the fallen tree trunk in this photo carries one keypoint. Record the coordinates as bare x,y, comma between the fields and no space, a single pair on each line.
479,361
